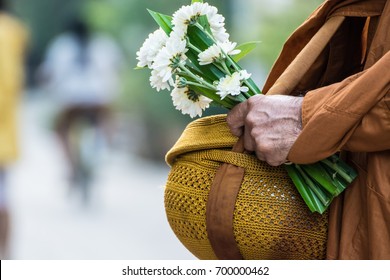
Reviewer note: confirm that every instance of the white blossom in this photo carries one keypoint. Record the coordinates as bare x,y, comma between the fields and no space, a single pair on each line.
230,85
189,102
170,57
150,48
166,57
210,55
229,48
188,15
244,75
157,82
217,26
217,51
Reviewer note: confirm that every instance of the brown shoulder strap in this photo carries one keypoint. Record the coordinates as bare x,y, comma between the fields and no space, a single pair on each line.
220,209
301,64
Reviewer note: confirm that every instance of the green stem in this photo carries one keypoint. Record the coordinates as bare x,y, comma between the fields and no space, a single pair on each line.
230,60
338,170
252,89
197,84
193,47
246,95
199,26
306,193
222,69
225,68
319,193
237,99
196,78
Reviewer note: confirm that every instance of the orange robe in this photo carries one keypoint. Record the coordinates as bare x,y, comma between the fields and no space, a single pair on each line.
347,108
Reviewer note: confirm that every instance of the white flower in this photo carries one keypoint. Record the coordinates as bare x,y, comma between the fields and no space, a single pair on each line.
170,57
150,48
220,35
230,85
229,48
210,55
217,51
157,82
217,26
214,18
244,75
188,15
189,102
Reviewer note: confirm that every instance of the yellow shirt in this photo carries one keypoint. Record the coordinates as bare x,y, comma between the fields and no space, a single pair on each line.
13,40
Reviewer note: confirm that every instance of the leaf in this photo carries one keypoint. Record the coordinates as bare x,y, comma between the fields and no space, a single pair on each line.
342,169
345,167
317,189
321,176
245,48
306,193
194,1
203,21
254,86
339,182
209,72
211,94
251,83
198,38
164,21
201,41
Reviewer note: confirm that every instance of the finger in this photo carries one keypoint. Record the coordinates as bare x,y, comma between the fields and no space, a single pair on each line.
275,157
260,156
236,118
249,142
237,131
275,162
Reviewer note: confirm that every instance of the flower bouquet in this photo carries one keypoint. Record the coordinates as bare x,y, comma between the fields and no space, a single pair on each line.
191,55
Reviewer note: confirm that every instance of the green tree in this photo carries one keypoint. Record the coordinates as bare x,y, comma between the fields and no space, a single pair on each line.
45,19
130,23
269,21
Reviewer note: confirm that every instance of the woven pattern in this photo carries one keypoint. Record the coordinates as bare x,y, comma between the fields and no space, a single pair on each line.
271,220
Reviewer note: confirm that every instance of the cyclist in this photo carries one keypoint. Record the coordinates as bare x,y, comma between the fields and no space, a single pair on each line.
82,70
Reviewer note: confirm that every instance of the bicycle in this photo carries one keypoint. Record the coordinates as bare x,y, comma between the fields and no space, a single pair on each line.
84,139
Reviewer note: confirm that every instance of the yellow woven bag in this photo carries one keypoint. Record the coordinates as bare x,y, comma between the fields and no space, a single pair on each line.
270,219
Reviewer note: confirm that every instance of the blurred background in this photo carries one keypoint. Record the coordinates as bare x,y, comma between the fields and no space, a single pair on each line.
99,194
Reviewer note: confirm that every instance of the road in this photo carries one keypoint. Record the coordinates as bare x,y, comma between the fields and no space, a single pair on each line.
124,221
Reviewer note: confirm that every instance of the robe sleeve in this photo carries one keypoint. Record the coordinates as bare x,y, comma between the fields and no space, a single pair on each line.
352,115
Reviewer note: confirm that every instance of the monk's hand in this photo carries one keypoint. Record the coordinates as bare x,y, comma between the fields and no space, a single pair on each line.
269,124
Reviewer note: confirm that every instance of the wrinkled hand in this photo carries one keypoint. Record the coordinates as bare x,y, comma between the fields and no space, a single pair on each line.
270,125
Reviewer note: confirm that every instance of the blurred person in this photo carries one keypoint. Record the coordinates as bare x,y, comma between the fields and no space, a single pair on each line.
13,42
81,70
345,106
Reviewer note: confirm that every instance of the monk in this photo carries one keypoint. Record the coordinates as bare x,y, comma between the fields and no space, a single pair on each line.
342,104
